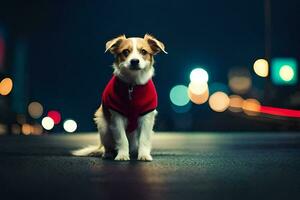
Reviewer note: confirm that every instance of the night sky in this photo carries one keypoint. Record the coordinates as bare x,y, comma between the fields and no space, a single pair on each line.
67,68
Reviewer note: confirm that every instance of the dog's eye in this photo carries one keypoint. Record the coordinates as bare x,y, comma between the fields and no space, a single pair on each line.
125,52
144,52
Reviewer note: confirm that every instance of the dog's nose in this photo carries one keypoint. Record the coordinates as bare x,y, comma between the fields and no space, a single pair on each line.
134,62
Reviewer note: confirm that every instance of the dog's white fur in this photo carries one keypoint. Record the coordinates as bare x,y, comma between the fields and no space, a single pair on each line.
112,133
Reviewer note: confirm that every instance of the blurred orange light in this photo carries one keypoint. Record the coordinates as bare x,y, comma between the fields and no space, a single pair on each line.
235,103
198,98
6,86
251,107
37,129
219,101
26,129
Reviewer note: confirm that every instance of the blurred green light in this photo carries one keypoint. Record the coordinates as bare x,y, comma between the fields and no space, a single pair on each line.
179,95
284,71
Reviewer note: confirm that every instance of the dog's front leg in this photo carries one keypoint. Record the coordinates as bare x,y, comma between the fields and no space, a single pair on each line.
146,124
118,125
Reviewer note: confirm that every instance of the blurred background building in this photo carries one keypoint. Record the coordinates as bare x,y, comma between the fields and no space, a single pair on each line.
232,65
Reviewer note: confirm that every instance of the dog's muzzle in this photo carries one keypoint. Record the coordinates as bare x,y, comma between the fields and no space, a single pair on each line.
134,64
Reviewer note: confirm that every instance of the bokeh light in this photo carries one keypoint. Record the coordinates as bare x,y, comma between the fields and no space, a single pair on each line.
179,95
37,129
35,110
218,101
240,84
239,80
286,72
55,115
6,86
251,107
199,75
26,129
198,98
198,88
235,103
70,126
261,67
47,123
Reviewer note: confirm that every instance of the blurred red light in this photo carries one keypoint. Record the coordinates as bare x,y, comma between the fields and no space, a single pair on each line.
280,111
55,115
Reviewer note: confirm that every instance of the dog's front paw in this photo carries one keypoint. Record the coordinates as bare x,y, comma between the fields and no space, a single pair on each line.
122,157
145,157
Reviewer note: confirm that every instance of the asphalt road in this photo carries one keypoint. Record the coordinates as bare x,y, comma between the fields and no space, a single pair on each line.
186,166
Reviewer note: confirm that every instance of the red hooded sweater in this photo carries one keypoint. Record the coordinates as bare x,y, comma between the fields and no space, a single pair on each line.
130,101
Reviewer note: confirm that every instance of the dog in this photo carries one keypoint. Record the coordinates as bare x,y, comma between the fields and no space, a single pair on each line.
126,117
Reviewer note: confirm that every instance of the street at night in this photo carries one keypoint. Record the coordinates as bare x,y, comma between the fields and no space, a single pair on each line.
185,166
217,81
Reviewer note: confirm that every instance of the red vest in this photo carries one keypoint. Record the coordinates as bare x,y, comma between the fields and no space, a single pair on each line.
130,101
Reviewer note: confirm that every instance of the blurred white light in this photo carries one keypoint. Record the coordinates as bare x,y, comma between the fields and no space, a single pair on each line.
47,123
286,72
198,88
261,67
70,126
199,75
198,98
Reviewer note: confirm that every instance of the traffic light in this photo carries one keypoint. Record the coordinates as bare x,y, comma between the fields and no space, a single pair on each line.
284,71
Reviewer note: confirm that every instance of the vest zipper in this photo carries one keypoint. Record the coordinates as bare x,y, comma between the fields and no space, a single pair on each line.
130,90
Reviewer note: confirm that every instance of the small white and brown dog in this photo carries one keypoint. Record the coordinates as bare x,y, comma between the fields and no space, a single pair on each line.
126,116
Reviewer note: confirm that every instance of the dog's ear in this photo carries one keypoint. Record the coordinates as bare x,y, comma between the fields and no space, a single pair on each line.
156,45
113,44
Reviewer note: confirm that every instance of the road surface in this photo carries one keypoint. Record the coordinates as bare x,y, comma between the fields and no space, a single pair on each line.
186,166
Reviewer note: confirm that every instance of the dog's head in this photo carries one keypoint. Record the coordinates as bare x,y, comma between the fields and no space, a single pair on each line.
134,56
